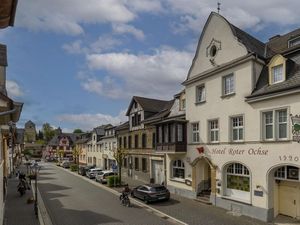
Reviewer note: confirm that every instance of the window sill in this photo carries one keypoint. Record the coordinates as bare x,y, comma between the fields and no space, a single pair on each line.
237,142
236,200
179,180
275,141
214,143
228,95
200,103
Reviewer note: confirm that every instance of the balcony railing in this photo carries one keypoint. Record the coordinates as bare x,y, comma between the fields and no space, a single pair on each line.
171,147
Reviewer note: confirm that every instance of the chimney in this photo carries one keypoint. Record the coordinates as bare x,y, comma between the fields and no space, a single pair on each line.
274,37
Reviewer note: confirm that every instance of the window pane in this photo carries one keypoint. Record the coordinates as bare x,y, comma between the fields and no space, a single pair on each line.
277,72
235,134
282,131
241,135
269,131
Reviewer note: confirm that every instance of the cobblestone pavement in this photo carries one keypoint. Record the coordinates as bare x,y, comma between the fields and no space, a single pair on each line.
17,211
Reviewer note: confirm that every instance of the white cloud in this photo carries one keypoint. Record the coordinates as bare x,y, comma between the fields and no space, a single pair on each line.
253,14
152,6
68,16
89,121
75,47
125,28
158,75
13,89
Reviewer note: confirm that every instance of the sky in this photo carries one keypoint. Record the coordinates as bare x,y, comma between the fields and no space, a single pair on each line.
77,64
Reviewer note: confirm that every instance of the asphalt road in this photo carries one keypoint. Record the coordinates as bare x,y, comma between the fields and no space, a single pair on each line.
71,200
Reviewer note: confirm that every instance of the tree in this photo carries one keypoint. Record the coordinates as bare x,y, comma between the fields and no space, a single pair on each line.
40,135
48,132
77,131
120,155
76,151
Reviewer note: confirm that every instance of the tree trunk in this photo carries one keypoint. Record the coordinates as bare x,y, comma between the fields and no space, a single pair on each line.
120,175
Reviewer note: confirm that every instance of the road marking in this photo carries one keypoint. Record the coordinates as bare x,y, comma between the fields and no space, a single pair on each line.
147,207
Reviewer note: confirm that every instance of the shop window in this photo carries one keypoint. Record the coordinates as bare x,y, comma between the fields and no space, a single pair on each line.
178,169
287,173
144,164
237,181
136,163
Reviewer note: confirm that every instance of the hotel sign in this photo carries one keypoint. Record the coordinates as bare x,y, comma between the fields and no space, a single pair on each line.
296,127
259,151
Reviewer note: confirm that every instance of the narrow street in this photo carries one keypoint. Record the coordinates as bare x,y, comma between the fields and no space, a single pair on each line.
70,200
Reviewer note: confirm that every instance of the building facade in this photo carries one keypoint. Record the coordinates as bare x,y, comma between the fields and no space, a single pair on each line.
242,98
107,146
30,132
143,162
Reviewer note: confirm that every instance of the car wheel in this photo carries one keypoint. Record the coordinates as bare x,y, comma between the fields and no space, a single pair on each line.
146,200
132,194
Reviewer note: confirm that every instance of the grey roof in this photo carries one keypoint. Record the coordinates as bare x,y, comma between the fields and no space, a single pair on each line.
161,114
279,43
100,130
292,81
252,44
3,55
148,104
72,138
123,126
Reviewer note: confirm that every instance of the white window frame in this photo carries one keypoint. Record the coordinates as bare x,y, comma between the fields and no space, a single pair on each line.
195,132
293,42
203,93
215,130
275,124
273,71
231,86
239,126
174,165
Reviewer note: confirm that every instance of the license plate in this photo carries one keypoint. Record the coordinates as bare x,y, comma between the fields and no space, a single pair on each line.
161,197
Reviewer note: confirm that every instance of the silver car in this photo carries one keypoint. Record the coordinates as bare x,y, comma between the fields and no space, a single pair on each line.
91,173
102,176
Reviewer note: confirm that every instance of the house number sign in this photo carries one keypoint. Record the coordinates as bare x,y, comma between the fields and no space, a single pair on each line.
289,158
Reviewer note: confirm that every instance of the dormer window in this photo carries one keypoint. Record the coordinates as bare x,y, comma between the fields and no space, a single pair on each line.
277,68
277,73
294,41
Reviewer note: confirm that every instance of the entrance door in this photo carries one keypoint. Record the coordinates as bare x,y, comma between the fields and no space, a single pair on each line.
289,198
158,171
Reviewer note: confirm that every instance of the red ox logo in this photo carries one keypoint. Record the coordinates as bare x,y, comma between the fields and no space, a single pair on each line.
200,150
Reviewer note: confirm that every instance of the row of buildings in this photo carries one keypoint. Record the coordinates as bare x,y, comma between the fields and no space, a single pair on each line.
11,142
231,137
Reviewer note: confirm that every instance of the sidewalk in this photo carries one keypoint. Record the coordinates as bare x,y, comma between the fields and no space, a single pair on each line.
17,211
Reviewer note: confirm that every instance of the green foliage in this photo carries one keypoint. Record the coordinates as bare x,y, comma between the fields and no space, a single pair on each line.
77,131
113,180
74,167
39,141
48,132
27,152
40,135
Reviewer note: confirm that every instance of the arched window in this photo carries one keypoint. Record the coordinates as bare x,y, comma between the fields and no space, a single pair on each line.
178,169
237,181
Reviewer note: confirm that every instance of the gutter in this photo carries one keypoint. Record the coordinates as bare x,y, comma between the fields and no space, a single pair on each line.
8,112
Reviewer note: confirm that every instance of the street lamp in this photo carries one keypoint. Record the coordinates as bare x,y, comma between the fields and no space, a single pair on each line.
36,168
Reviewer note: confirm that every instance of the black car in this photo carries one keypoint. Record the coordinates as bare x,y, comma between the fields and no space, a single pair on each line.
151,193
84,169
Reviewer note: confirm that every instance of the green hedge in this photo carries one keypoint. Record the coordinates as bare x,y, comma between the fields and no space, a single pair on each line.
74,167
112,181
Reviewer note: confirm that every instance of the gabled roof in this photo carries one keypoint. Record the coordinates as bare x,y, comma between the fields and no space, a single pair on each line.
161,114
148,104
71,137
100,129
123,126
252,44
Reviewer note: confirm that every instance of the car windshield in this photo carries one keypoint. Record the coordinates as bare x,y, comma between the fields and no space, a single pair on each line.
156,189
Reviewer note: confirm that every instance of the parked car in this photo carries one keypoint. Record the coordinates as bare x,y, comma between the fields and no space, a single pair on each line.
151,193
83,169
102,176
65,164
91,173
